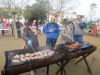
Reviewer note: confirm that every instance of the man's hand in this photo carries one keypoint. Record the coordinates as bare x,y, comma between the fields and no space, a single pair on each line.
29,42
51,30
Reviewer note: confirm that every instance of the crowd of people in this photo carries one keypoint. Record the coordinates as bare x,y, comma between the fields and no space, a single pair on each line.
7,25
3,24
73,31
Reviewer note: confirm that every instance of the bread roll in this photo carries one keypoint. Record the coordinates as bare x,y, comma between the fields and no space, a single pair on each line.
15,61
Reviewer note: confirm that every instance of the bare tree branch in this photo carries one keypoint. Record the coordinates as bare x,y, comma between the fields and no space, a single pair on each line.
23,3
60,6
14,3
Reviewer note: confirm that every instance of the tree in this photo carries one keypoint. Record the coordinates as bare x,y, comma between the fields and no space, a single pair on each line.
64,21
92,10
13,7
3,13
92,6
39,10
57,6
60,6
14,3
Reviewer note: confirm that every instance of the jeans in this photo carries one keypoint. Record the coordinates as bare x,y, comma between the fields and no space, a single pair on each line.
78,38
50,43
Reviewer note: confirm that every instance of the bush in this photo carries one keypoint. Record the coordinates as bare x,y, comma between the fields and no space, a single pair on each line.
64,21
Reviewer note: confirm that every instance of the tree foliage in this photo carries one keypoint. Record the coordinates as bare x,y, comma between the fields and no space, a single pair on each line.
3,13
12,6
64,21
39,10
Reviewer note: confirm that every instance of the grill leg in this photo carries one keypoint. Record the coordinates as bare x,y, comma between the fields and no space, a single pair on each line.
47,72
61,68
81,59
87,65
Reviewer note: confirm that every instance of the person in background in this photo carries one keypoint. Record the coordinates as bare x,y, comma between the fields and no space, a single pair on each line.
1,24
6,25
30,34
51,30
67,33
94,29
19,26
78,30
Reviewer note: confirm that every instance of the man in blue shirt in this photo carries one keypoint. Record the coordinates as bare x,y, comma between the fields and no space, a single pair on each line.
51,31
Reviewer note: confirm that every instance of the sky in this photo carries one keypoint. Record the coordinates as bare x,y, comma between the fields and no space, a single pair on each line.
80,6
84,7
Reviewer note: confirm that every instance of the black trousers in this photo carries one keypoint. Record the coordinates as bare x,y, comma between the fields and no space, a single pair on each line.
50,43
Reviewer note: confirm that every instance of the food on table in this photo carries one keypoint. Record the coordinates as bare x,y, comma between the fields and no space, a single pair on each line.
16,56
23,59
31,56
16,61
27,58
73,45
27,54
22,55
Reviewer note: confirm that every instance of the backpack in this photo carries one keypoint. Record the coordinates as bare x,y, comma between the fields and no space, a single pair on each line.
82,25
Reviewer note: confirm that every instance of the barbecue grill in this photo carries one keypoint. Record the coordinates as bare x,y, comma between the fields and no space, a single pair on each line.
62,55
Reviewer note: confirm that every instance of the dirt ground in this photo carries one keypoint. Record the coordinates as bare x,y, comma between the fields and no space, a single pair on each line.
9,43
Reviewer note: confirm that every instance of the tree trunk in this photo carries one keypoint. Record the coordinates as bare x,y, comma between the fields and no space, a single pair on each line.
15,28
